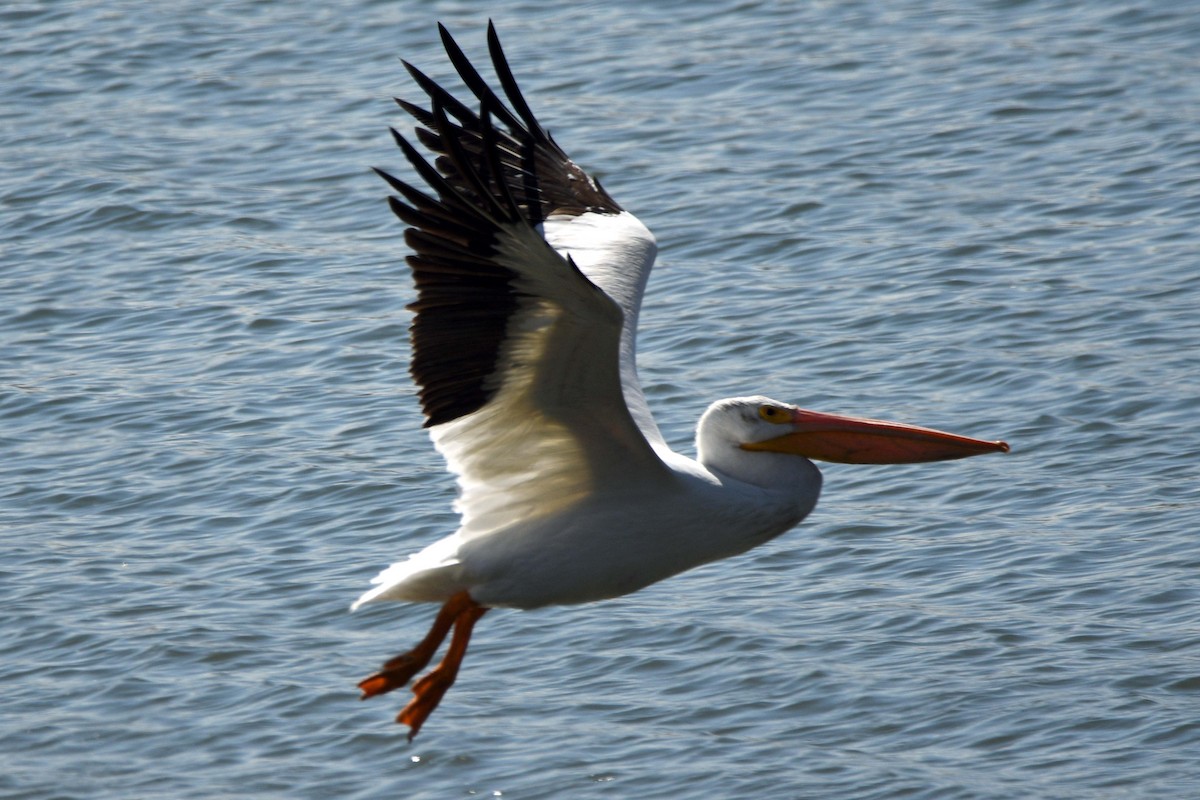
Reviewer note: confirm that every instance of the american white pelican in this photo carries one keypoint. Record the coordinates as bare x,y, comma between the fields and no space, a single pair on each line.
529,277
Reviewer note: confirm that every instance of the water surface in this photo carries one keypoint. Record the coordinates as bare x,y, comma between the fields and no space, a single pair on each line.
976,216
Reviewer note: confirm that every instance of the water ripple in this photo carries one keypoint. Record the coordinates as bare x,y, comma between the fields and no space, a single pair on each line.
976,216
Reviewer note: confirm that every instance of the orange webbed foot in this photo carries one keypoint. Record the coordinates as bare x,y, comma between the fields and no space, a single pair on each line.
393,675
460,612
428,693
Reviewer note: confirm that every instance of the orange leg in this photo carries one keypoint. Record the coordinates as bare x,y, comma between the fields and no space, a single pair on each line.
461,612
429,690
399,670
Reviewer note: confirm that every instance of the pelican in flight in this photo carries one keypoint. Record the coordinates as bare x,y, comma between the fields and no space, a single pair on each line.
529,277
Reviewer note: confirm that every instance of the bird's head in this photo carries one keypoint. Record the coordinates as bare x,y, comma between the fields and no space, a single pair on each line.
761,425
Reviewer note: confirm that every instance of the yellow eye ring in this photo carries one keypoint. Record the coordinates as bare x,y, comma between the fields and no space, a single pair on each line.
773,414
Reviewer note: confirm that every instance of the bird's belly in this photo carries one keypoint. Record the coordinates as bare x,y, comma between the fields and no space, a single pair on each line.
604,550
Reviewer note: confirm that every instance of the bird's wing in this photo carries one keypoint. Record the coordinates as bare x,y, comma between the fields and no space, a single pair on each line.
528,278
573,212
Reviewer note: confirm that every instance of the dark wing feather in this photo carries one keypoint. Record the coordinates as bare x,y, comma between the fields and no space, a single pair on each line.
541,177
464,297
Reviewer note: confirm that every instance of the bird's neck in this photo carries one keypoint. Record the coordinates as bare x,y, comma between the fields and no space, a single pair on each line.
786,480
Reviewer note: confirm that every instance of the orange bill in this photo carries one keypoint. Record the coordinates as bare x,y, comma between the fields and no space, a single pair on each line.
853,440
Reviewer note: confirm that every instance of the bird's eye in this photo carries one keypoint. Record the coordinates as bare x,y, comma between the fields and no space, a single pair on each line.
772,413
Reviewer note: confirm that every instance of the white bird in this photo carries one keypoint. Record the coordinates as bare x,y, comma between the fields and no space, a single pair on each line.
529,277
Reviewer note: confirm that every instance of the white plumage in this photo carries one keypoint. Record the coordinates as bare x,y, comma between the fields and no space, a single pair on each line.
529,280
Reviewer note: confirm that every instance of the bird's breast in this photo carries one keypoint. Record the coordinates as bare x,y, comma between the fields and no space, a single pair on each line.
605,547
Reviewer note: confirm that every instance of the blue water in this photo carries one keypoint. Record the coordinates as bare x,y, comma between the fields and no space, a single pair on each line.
978,216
